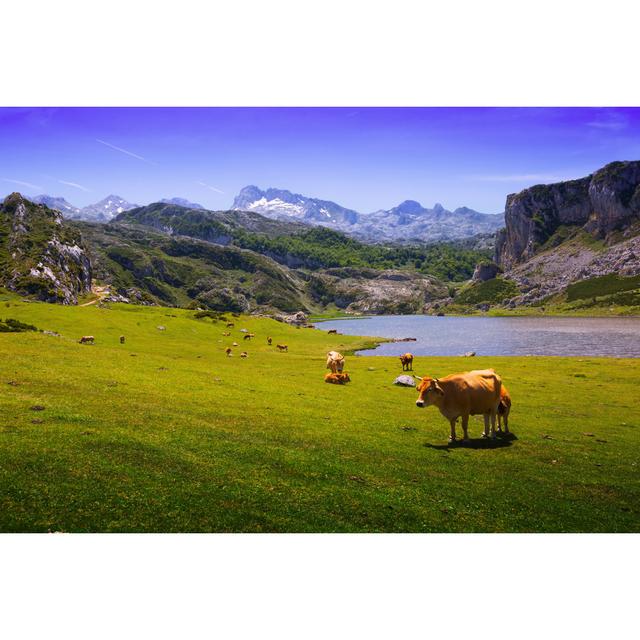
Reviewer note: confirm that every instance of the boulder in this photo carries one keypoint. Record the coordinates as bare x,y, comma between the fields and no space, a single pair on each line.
405,381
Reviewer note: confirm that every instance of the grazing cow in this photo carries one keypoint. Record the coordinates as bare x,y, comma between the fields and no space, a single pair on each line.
228,351
407,362
230,324
335,331
244,354
249,336
463,394
282,347
504,408
87,340
335,362
121,339
337,378
269,340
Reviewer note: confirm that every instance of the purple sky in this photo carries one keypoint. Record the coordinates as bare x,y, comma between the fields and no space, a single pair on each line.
363,158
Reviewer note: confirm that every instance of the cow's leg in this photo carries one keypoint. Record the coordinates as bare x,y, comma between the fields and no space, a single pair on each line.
465,427
506,421
485,433
452,437
493,422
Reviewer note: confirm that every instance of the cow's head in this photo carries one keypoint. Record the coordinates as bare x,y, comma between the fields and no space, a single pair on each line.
430,391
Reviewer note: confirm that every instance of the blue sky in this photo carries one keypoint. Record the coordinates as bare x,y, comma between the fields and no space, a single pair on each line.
363,158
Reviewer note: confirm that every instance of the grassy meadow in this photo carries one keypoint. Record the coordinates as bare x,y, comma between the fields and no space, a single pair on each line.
167,434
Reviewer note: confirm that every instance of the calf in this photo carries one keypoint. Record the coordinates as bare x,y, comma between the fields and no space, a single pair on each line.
337,378
282,347
335,361
87,340
407,362
463,394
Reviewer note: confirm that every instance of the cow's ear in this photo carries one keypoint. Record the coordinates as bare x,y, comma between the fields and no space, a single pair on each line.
417,377
436,385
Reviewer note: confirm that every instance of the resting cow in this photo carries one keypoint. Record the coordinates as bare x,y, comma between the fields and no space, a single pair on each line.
335,361
407,362
337,378
87,340
461,395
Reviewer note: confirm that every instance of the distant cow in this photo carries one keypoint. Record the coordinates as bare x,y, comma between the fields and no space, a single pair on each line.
121,339
333,331
234,344
249,336
228,351
87,340
335,361
269,340
407,362
244,354
230,324
226,333
282,347
463,394
337,378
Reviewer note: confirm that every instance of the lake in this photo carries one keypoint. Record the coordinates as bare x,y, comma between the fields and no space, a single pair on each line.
489,336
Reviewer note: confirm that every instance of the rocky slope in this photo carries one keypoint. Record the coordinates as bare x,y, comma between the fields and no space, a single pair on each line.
40,254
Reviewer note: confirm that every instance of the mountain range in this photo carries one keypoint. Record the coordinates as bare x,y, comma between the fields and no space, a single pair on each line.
408,222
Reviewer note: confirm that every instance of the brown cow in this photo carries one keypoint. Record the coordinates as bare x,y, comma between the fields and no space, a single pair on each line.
335,361
337,378
87,340
244,354
335,331
463,394
228,351
504,408
269,340
282,347
249,336
230,324
226,333
407,362
121,339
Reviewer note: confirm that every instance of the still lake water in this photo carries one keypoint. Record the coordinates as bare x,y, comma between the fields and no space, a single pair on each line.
451,335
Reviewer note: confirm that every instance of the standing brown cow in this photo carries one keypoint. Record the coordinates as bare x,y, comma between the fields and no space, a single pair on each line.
407,362
461,395
269,340
87,340
282,347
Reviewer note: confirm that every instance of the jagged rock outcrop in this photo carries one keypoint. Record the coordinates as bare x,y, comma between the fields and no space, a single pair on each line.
485,271
603,202
40,254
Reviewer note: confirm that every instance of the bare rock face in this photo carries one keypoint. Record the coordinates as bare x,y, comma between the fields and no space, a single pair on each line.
603,202
42,256
485,271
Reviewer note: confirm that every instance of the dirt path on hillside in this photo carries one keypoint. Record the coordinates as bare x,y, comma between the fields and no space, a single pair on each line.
101,292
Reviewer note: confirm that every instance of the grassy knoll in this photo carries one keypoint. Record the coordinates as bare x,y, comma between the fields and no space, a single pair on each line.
165,433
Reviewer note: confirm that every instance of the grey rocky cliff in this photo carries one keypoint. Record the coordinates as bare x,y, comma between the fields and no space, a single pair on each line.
603,202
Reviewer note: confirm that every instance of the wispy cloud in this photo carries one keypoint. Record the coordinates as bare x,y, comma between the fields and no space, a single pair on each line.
22,183
75,185
208,186
611,121
125,151
520,177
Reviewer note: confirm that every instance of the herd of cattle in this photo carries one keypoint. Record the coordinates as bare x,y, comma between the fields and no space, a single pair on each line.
456,396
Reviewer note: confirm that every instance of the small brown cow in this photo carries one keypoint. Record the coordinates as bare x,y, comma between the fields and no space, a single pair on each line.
87,340
282,347
407,362
335,331
244,354
230,324
337,378
228,351
249,336
335,361
269,340
121,339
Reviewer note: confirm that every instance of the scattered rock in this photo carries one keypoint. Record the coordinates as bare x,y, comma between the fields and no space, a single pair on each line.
37,407
408,428
468,354
405,381
160,328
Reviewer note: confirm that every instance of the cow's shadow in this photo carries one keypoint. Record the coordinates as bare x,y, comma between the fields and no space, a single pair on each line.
500,441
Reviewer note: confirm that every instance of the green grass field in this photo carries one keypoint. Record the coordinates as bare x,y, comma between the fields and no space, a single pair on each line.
165,433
